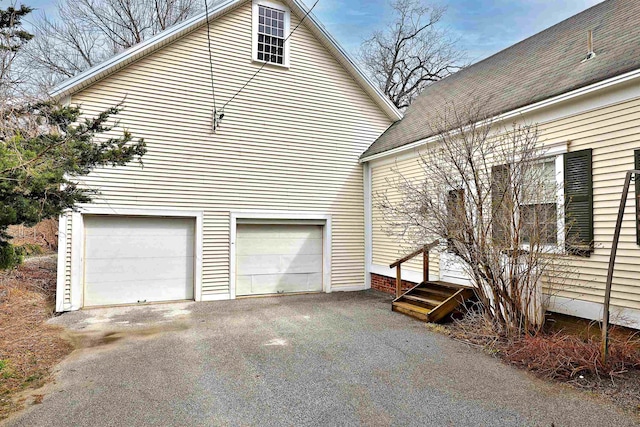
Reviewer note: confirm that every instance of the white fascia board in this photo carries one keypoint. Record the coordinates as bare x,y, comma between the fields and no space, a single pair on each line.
84,79
623,78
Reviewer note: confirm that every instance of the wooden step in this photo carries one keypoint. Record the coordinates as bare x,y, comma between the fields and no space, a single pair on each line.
412,310
422,299
432,301
446,285
434,294
449,305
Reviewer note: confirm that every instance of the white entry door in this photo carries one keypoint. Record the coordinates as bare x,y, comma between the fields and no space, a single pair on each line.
132,260
278,258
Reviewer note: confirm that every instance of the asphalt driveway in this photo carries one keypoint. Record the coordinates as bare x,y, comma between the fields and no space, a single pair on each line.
338,359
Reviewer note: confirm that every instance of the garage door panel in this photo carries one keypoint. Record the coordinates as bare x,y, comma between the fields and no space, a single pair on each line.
301,264
110,270
243,284
136,246
259,264
131,292
264,246
278,258
278,283
141,226
278,231
135,259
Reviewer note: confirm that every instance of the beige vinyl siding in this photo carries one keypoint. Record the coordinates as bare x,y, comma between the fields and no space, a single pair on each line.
289,142
387,248
613,133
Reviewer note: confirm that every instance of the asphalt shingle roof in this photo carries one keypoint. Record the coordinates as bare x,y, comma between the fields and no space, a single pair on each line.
545,65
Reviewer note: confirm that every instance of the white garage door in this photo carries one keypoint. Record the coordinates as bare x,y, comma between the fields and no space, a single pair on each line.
278,258
132,260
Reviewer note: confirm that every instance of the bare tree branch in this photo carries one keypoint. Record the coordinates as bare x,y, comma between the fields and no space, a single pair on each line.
86,32
411,53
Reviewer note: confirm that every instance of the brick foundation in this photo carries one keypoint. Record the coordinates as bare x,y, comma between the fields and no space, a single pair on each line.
388,284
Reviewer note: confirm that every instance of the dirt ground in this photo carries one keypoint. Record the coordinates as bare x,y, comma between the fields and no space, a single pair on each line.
29,348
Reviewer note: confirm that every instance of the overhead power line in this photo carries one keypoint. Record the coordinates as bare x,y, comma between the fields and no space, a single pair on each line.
266,62
213,87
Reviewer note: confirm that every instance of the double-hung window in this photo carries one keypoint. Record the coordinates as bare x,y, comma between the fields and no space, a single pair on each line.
538,208
527,202
270,31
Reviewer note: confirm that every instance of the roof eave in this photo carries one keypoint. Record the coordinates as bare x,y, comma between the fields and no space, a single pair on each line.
566,96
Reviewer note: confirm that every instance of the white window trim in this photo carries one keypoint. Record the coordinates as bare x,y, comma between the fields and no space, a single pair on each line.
77,245
556,151
254,31
290,218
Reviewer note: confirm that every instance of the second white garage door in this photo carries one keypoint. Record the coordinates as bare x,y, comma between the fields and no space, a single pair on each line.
278,258
132,260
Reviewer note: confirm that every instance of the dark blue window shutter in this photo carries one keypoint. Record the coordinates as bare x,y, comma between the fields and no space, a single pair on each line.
636,156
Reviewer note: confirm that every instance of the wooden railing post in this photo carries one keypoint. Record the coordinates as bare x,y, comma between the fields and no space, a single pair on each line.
425,265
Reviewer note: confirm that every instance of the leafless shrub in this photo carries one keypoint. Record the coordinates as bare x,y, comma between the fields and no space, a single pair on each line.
491,193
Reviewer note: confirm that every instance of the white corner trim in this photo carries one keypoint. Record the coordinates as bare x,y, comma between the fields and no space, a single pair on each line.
62,259
593,311
519,112
291,216
77,261
77,243
368,224
254,31
408,275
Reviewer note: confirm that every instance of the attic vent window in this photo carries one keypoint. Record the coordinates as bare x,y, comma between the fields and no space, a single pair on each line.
271,24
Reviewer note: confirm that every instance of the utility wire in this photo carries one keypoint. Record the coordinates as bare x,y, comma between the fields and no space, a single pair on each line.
213,88
266,62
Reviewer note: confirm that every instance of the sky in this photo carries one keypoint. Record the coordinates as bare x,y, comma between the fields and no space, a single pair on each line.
482,27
